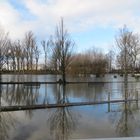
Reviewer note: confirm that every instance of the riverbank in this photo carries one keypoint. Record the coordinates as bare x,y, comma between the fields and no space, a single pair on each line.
39,72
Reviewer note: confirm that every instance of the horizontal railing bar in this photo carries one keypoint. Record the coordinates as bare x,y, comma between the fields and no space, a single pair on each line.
43,106
57,82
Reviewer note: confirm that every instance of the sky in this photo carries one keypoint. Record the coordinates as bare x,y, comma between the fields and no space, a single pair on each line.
90,23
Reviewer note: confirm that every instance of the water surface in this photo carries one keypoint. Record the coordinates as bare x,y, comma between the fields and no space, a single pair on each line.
79,122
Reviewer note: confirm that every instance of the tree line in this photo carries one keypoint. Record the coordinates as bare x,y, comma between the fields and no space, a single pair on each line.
60,57
19,55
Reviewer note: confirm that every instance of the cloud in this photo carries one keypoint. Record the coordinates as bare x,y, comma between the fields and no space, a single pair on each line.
11,21
8,16
79,15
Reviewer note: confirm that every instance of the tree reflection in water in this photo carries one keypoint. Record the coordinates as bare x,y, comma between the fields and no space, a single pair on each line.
18,94
62,121
127,122
6,123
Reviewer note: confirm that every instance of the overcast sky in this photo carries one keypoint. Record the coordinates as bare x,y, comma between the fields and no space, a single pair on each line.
89,22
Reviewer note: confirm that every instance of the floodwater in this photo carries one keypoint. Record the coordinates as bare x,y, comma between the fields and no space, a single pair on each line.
69,123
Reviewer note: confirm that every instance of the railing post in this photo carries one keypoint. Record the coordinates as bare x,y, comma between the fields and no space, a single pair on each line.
137,99
108,101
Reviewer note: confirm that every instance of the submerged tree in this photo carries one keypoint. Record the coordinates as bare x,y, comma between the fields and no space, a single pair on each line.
129,45
62,47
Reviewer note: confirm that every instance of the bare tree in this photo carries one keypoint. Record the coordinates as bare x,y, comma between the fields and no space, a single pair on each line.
12,56
45,46
7,56
18,53
92,61
29,44
3,43
3,46
99,62
23,55
128,42
110,58
36,54
129,45
62,47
